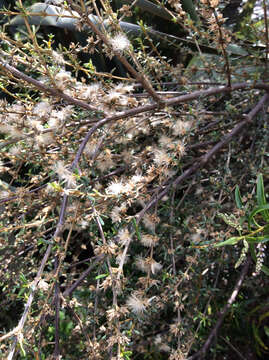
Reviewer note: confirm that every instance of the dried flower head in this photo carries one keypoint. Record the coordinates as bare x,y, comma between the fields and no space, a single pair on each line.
161,157
137,304
43,285
121,257
123,88
63,79
150,221
116,188
148,265
42,109
44,139
120,42
58,58
165,141
149,240
65,174
181,127
16,150
124,236
116,214
88,92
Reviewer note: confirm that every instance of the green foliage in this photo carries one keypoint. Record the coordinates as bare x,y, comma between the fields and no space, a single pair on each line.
257,233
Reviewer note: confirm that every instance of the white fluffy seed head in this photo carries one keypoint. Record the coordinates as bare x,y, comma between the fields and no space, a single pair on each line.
120,42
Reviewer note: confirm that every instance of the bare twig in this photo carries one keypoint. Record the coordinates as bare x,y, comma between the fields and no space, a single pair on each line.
184,195
266,38
222,43
95,261
233,348
57,311
201,353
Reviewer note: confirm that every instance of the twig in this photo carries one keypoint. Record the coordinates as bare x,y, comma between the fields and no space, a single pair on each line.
57,311
83,330
222,42
141,109
184,195
73,287
18,330
201,353
154,201
139,77
233,348
48,90
266,38
204,159
151,107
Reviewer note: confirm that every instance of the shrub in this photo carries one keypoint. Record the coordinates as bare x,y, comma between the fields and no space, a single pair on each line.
118,167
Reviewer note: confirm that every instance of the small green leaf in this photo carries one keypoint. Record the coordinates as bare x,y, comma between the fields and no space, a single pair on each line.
261,196
137,231
23,278
231,241
260,191
260,209
257,337
238,198
56,186
257,239
252,252
22,348
236,49
189,7
266,330
21,292
101,276
89,65
101,221
263,316
42,241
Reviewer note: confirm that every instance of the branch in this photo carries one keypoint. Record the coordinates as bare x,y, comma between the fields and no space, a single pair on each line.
57,310
51,91
186,174
145,108
204,159
201,353
222,42
18,330
266,38
73,287
139,76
